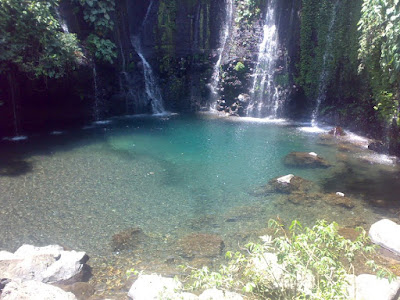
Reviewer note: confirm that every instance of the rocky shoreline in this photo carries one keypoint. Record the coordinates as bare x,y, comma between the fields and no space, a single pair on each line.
53,273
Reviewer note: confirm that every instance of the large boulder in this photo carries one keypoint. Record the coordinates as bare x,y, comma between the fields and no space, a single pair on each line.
386,233
370,287
33,290
200,245
50,264
149,287
305,160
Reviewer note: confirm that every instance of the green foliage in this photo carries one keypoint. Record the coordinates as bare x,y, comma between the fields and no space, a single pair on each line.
103,49
166,25
379,53
329,43
98,15
318,255
32,41
247,11
240,67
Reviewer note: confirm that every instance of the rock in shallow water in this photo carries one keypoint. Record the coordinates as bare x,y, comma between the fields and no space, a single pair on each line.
386,233
33,290
285,185
200,245
49,264
128,239
305,160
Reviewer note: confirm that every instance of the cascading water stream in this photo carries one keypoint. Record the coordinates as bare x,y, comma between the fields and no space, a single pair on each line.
152,89
325,70
265,94
223,40
63,23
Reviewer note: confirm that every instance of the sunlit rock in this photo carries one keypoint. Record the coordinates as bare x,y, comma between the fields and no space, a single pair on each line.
212,294
305,160
149,287
33,290
50,264
200,245
285,179
386,233
370,287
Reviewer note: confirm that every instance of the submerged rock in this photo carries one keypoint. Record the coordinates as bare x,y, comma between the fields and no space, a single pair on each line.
305,160
33,290
50,264
285,185
338,199
200,245
386,233
128,239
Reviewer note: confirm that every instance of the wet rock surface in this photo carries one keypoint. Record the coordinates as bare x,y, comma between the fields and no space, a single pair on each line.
305,160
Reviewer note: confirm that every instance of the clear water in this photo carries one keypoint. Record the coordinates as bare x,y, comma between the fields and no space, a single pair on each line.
172,176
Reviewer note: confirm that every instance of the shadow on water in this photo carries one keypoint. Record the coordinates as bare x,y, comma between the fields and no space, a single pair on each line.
12,167
380,190
15,157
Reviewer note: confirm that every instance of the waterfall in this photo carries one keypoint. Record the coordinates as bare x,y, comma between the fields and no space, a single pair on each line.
323,78
223,40
265,94
62,22
152,89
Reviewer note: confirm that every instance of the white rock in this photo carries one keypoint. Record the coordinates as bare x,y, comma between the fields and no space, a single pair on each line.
340,194
34,290
213,294
386,233
369,287
49,264
154,287
285,179
313,154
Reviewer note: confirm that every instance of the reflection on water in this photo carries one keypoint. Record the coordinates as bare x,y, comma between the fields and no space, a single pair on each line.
172,177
